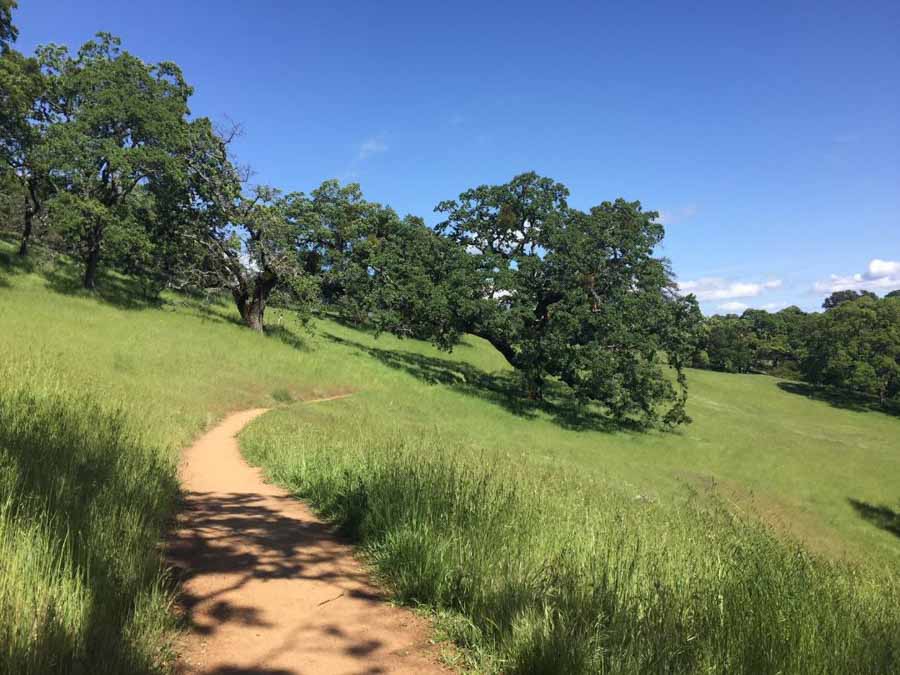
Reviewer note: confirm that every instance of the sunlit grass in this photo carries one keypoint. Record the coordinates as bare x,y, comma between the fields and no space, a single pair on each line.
522,525
543,570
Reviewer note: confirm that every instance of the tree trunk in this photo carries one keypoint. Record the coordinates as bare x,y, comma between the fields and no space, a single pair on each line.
253,316
27,229
497,343
252,306
91,266
535,387
93,243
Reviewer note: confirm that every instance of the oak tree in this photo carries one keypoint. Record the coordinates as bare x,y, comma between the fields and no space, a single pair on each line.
119,124
576,295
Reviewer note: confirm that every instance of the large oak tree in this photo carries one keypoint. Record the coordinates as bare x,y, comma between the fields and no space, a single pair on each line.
574,295
119,123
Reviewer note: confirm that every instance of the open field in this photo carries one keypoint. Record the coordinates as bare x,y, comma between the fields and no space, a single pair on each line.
800,463
460,493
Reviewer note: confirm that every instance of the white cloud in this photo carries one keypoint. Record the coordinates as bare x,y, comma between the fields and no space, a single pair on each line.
677,215
372,146
708,289
883,268
881,275
736,307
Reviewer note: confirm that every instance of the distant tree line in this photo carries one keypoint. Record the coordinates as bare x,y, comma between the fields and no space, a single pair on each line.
101,160
854,345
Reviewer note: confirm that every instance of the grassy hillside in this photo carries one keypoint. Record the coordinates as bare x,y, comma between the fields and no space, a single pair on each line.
97,393
799,463
96,396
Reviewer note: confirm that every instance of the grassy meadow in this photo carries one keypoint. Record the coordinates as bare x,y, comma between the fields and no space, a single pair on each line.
761,538
96,396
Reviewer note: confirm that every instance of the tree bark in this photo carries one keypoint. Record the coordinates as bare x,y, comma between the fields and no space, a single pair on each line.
535,387
28,228
499,344
252,304
254,316
92,264
92,259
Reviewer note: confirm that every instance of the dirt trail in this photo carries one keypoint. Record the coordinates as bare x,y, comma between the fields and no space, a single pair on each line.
268,588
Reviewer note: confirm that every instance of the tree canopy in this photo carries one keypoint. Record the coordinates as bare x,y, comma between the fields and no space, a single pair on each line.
853,346
574,295
118,124
840,297
8,31
856,346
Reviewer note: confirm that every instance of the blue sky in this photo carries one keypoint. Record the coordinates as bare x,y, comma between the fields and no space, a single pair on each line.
768,135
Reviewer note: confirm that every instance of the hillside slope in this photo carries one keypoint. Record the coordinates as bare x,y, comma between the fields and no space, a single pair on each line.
825,474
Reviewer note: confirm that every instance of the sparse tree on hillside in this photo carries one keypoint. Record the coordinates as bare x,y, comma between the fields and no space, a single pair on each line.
575,295
250,243
120,123
256,252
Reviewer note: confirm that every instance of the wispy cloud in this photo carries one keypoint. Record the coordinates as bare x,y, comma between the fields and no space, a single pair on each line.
677,215
733,306
711,289
737,307
371,146
880,275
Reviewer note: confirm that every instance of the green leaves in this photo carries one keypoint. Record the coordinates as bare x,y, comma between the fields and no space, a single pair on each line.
856,346
574,295
8,32
115,133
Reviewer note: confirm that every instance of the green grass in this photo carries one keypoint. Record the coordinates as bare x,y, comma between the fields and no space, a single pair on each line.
96,396
538,533
797,462
84,499
538,570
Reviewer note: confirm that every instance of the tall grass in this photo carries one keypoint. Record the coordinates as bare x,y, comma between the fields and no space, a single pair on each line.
544,571
83,503
531,565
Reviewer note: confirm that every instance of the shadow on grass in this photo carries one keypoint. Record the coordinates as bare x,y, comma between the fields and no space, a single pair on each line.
113,289
288,337
64,277
11,263
208,309
72,467
840,399
505,390
882,517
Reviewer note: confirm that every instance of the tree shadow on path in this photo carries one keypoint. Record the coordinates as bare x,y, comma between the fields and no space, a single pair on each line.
235,539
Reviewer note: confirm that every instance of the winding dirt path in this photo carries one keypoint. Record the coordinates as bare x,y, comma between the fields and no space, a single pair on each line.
268,588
